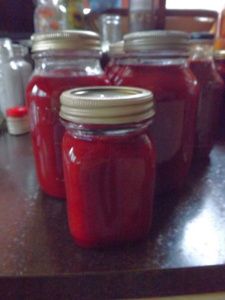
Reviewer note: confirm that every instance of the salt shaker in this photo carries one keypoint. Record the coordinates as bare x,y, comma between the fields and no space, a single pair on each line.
141,15
11,81
17,120
5,52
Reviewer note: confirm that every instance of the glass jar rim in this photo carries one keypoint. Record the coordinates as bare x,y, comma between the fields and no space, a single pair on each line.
107,105
67,52
156,40
66,40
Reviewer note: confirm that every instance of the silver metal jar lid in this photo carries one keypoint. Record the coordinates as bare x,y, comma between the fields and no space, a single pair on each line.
107,105
66,40
144,41
116,49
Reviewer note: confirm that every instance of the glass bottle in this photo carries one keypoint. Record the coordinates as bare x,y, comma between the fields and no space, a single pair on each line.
141,15
109,164
63,60
24,66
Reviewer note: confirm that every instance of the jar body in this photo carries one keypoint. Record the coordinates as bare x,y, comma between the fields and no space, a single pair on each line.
176,103
110,185
50,78
209,105
220,67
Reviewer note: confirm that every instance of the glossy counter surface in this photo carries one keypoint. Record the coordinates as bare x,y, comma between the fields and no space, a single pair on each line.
185,251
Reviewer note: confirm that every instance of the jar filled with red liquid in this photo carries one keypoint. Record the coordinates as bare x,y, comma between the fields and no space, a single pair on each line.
63,60
109,164
219,59
211,92
157,60
114,67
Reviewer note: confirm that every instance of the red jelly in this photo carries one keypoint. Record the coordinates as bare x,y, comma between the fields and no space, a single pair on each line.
220,63
109,164
211,93
59,66
156,61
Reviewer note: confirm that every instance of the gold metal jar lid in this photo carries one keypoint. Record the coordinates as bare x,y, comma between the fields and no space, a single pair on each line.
66,40
107,105
156,40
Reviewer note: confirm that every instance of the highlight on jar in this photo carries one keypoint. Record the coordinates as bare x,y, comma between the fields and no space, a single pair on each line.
109,163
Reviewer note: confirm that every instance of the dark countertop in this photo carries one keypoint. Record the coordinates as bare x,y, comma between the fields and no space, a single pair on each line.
185,251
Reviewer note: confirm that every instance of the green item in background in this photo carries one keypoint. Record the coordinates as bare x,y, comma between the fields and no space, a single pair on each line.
75,17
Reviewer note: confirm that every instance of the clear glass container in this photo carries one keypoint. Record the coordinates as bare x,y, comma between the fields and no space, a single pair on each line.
24,66
157,60
11,85
63,60
141,15
109,164
110,30
50,15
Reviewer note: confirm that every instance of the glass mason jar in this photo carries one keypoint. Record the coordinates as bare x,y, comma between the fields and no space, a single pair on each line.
157,60
109,164
211,93
63,60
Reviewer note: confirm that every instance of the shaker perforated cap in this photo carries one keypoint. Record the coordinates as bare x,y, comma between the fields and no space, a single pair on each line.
107,105
156,40
66,40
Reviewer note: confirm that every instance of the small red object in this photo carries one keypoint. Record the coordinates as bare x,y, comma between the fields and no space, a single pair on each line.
16,111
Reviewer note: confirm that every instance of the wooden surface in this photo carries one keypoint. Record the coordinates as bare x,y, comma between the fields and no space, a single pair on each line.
185,251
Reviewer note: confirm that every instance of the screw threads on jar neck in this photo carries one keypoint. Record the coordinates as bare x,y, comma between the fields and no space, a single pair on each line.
157,41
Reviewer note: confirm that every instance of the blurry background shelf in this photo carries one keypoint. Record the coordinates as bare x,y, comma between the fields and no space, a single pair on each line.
16,18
